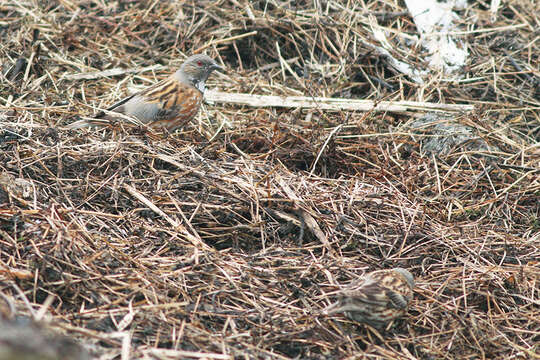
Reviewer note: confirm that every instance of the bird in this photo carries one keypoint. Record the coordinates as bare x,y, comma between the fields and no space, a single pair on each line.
377,298
168,104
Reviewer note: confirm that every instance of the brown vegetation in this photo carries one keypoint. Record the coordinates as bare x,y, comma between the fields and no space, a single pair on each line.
229,237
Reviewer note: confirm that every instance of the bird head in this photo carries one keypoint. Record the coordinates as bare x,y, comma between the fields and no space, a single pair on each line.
196,70
407,275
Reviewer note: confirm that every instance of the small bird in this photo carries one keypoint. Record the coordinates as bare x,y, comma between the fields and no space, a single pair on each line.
377,298
169,104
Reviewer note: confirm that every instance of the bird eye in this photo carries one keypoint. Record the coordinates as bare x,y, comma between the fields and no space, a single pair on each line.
199,63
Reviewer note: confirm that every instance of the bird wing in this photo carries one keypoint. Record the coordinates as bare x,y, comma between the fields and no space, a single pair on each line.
367,292
396,299
165,103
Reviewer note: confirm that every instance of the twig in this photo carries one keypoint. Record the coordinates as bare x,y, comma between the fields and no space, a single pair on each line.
335,104
133,192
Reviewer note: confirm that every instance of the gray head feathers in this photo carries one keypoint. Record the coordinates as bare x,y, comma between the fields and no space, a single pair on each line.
408,276
196,70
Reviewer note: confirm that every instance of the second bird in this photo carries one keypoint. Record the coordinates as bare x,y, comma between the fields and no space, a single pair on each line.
376,298
170,103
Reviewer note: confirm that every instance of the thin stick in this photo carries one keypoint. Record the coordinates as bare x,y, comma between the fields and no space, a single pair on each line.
336,129
133,192
335,104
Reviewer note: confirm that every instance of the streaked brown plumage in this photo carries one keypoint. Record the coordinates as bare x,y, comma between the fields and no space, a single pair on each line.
170,103
377,298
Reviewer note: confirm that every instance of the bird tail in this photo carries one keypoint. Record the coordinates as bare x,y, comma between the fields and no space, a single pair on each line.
89,123
338,307
80,124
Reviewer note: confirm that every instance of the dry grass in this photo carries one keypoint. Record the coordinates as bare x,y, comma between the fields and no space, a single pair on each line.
229,237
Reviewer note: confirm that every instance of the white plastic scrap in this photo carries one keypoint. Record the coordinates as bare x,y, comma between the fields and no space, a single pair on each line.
435,22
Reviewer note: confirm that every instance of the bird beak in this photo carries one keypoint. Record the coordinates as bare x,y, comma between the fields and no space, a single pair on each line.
216,67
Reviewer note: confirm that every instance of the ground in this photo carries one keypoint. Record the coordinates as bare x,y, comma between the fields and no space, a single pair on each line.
228,237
